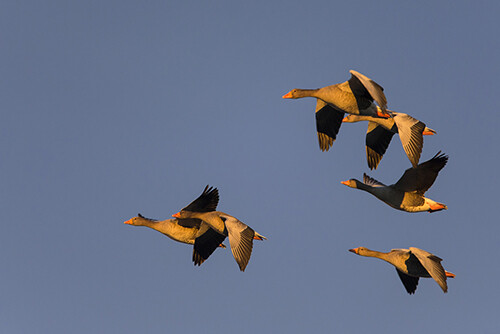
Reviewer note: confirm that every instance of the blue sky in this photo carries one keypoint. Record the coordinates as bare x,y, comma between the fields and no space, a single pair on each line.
118,107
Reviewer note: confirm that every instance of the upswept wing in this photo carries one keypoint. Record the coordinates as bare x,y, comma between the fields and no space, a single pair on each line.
374,89
422,177
371,181
206,202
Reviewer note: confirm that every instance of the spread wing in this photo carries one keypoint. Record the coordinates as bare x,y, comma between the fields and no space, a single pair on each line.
410,133
206,202
422,177
374,89
410,282
328,122
432,264
378,139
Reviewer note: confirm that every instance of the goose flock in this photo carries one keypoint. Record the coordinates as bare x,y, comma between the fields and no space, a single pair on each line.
362,99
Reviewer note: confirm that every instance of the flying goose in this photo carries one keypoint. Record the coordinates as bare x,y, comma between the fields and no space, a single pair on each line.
240,235
411,264
355,96
189,231
381,130
408,193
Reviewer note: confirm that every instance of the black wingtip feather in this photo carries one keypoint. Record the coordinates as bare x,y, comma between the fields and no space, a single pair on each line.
206,202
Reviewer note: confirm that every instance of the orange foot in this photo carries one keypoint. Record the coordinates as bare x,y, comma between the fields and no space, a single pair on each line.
437,207
450,275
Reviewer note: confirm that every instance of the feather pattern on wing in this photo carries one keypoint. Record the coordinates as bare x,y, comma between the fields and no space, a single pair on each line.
328,122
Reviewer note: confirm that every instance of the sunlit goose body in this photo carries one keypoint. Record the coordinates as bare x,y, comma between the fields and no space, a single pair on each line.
355,96
240,235
408,193
381,130
189,231
411,264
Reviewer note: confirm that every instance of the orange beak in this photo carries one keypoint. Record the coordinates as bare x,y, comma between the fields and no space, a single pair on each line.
345,183
258,238
344,119
354,250
428,133
177,215
450,275
288,95
129,222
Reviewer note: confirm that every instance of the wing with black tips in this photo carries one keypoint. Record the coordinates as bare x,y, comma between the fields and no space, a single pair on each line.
328,122
206,202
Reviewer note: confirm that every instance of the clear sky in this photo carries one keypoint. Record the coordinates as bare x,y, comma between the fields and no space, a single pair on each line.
110,108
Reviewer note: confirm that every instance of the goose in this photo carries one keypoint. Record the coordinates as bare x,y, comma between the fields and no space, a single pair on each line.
355,96
189,231
240,235
408,193
381,130
411,264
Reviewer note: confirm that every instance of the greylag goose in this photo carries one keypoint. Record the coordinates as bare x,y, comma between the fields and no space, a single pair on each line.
381,130
411,264
354,96
189,231
408,193
240,235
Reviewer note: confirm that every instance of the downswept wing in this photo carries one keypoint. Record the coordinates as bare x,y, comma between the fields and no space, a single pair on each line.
374,89
206,202
378,139
206,242
328,122
410,282
241,240
410,133
432,264
422,177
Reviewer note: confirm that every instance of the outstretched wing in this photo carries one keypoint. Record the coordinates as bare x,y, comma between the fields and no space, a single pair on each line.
206,202
328,122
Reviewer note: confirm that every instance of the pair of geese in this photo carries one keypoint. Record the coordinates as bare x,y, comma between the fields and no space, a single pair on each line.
200,225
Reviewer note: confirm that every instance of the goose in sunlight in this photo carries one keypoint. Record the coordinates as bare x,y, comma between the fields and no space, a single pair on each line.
355,96
204,239
411,264
408,193
381,130
240,235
